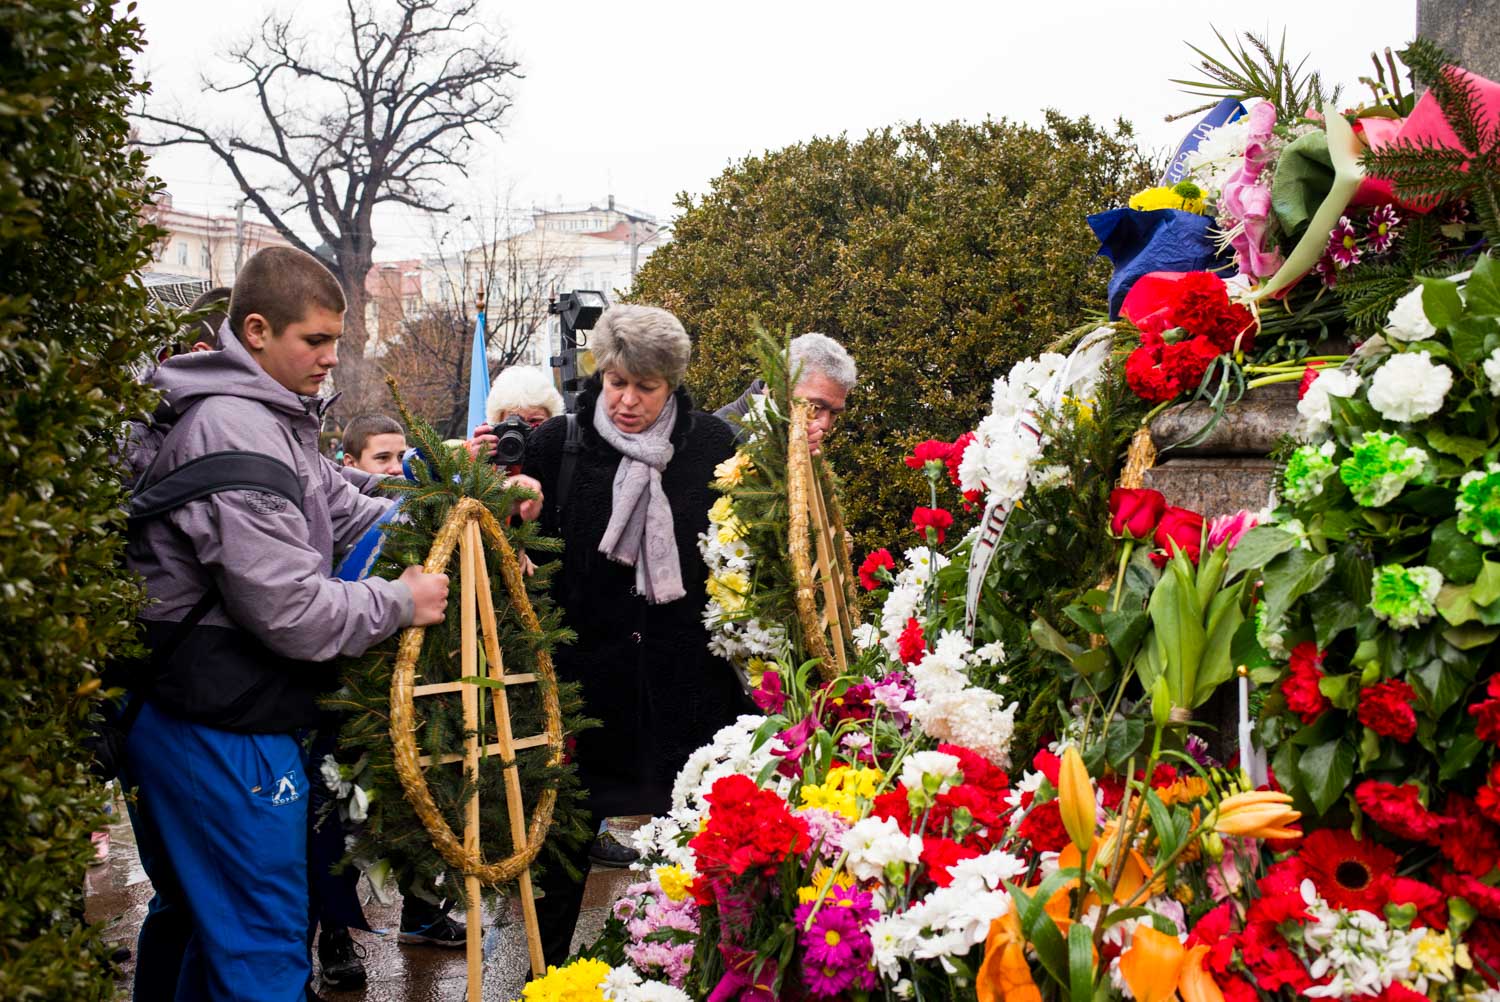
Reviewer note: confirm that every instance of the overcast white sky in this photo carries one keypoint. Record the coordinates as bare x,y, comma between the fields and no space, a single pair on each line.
644,100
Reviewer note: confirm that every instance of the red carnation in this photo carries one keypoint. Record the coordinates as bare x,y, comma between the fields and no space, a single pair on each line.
1135,513
1186,361
941,853
1303,697
1043,827
748,831
1309,374
1471,844
1487,799
911,645
876,560
930,451
935,519
1487,713
1483,897
1145,376
956,456
1386,710
1182,529
1399,810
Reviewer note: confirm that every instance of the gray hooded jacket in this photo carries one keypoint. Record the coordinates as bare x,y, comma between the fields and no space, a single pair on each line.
271,563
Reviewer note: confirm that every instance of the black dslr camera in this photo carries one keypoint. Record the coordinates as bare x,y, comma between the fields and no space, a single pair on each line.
512,433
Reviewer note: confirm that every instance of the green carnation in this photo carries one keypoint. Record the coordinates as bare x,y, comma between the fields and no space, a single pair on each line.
1479,505
1380,466
1306,471
1404,596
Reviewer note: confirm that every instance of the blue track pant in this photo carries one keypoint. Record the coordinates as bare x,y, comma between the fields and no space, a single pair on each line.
221,820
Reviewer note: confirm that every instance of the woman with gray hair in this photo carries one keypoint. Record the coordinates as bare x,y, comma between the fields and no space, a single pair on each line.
629,496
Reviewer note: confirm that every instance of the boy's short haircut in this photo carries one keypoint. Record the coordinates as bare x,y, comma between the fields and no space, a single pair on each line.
359,431
282,284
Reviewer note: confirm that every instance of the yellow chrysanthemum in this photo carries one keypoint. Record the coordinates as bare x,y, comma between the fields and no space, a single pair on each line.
674,881
843,790
721,512
730,530
732,471
577,982
756,669
809,894
1166,198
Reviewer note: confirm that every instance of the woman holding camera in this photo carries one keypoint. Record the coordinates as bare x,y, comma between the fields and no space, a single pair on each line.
629,496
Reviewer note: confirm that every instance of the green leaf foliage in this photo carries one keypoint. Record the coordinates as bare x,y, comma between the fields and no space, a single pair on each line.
939,255
72,320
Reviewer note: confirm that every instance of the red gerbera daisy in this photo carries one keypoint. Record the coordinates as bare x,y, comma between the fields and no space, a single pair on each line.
1348,873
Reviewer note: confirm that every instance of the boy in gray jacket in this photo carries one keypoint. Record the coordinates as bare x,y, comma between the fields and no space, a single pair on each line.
244,615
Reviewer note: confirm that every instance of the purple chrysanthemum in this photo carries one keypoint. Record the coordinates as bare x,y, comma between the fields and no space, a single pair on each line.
1384,228
837,949
1343,244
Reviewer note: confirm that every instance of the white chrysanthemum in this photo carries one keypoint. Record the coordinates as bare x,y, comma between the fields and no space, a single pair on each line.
1492,371
1314,407
1050,477
975,718
990,654
900,605
1220,153
1410,387
1408,321
728,753
921,563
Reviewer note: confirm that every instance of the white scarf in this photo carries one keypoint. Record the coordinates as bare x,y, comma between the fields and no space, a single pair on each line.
640,533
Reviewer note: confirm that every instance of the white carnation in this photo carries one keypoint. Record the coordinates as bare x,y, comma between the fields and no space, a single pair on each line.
1314,407
875,843
918,767
1408,321
1492,371
1409,387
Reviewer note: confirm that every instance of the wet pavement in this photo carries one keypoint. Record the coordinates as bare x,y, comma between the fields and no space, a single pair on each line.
118,892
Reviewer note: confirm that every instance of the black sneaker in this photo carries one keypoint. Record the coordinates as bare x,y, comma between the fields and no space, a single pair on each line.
607,850
443,932
341,958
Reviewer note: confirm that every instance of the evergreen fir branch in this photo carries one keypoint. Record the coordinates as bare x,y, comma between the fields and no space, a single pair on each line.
1421,170
1457,95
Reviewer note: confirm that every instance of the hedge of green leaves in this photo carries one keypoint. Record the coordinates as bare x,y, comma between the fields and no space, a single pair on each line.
71,236
939,255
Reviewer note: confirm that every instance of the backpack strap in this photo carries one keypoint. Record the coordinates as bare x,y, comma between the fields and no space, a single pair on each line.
230,470
572,446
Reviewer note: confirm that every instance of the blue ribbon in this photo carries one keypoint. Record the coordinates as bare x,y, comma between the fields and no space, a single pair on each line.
1222,113
361,557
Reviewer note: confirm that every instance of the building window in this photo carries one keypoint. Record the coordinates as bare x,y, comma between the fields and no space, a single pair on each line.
182,252
206,259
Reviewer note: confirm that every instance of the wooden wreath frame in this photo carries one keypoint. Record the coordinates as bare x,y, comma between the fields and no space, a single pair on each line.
813,513
467,525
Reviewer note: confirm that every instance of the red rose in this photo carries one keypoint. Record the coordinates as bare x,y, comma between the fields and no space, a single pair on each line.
877,560
1182,529
935,519
1386,710
956,455
930,451
1399,810
1303,697
911,645
1134,513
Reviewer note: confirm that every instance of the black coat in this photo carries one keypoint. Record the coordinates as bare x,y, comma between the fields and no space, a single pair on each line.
645,669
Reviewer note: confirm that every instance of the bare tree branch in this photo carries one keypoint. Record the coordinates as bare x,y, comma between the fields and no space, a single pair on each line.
383,115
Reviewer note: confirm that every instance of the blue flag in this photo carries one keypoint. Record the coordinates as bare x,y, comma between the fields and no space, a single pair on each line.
479,378
1223,113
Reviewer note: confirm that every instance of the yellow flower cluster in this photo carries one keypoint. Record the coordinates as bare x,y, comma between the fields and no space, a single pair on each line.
729,589
1167,198
843,790
1435,958
674,881
577,982
722,515
732,471
808,894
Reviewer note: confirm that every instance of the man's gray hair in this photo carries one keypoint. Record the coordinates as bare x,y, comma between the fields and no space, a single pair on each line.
821,354
643,341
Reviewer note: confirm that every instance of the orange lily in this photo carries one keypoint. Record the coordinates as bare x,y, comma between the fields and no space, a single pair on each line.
1152,965
1075,797
1257,814
1197,984
1005,976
